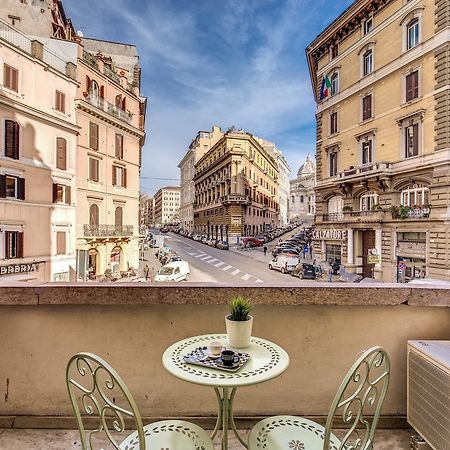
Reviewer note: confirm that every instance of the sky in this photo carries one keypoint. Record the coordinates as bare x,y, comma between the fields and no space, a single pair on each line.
215,62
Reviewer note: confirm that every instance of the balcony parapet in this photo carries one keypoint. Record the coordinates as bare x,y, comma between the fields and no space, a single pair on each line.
235,199
104,105
365,170
107,230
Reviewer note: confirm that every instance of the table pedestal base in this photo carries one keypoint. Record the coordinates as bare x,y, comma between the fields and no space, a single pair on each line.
225,419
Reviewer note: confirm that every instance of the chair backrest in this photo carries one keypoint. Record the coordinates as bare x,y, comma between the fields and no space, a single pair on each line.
97,390
364,387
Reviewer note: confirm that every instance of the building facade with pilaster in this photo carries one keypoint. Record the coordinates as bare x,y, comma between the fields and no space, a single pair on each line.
381,79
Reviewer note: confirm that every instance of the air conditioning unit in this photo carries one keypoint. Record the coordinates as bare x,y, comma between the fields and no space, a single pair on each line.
428,409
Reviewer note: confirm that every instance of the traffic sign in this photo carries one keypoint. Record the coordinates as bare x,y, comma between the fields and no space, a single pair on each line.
402,266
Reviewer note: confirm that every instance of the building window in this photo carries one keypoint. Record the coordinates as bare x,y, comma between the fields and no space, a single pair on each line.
61,153
118,216
334,83
119,146
93,135
411,140
60,242
94,164
367,107
60,102
333,164
93,214
368,62
94,89
412,86
368,201
12,187
367,25
119,176
367,152
13,244
334,51
61,193
335,205
301,198
11,139
415,196
333,122
412,34
10,78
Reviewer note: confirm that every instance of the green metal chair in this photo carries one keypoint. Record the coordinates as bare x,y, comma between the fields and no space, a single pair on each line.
100,396
364,387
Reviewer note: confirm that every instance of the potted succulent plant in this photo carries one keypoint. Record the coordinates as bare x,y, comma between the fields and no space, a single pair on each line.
239,322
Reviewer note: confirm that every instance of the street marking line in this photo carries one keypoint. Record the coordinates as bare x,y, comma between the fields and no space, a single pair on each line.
227,267
206,257
235,272
245,277
219,264
199,255
192,254
212,260
259,281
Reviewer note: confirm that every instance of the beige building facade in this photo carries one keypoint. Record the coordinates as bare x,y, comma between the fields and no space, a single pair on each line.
111,116
381,78
167,206
198,147
37,159
236,191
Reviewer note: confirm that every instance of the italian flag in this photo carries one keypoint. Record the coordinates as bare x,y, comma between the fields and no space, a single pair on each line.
325,89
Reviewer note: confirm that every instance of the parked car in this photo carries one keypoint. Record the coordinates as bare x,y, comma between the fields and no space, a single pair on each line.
283,263
251,241
304,271
164,230
223,245
213,242
174,271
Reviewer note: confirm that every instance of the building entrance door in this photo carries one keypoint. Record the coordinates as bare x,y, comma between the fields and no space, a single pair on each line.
368,242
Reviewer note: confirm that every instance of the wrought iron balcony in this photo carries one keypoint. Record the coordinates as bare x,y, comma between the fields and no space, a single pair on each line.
107,230
109,108
367,169
237,199
333,217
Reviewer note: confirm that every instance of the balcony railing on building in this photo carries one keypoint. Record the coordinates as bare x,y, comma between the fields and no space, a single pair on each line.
109,108
238,199
107,230
364,170
333,217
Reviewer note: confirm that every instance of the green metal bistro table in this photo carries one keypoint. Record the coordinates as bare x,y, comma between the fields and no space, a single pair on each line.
267,361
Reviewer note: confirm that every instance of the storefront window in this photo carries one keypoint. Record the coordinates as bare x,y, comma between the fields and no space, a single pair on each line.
332,252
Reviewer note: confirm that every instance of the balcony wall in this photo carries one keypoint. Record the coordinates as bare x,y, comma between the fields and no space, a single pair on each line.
322,327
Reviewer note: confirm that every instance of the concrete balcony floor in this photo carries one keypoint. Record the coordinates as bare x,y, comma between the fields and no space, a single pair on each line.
26,439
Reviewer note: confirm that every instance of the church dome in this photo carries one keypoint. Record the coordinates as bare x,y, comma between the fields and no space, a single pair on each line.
307,168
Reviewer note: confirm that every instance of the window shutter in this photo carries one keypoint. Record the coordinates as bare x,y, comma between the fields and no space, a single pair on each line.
20,245
119,146
102,91
124,177
7,75
8,244
124,103
415,143
408,88
11,139
88,83
61,153
114,175
21,188
68,195
2,186
93,135
60,242
415,84
55,192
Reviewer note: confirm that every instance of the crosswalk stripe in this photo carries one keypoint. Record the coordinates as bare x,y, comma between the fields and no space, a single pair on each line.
211,260
199,255
245,277
219,264
189,253
235,272
227,267
206,257
259,281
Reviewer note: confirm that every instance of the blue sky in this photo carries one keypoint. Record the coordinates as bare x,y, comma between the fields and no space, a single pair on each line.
215,62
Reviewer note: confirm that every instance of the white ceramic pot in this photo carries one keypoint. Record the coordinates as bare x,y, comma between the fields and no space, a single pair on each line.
239,332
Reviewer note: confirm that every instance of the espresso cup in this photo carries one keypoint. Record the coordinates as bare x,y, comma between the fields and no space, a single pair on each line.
215,348
229,357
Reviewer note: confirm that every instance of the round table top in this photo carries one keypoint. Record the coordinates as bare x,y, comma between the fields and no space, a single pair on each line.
267,361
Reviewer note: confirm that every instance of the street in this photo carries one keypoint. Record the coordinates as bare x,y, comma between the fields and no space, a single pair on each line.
209,264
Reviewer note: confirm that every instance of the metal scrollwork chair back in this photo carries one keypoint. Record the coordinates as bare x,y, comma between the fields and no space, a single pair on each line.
363,388
97,390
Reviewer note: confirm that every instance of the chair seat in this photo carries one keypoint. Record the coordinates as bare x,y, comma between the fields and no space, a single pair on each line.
289,433
171,435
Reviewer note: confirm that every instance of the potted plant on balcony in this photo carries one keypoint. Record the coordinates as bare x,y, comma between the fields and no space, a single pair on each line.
239,322
394,211
403,212
347,209
376,207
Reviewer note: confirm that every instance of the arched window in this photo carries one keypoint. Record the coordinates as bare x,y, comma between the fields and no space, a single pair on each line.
335,205
416,195
368,201
118,216
95,90
93,214
412,33
334,83
367,62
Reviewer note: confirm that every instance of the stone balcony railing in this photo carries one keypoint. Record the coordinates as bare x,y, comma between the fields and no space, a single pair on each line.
107,230
322,327
109,108
238,199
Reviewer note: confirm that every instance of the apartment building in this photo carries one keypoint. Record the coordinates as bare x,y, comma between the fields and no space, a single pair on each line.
111,115
37,158
302,205
198,147
167,206
236,191
381,79
146,212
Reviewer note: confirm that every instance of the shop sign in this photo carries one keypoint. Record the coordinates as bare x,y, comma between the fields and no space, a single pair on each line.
332,234
236,220
373,257
414,249
19,268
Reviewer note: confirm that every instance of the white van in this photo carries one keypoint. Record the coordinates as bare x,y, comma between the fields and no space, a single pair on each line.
283,263
174,271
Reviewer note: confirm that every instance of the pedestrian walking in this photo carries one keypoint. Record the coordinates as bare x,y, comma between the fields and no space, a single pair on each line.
265,250
146,271
336,266
330,273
